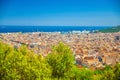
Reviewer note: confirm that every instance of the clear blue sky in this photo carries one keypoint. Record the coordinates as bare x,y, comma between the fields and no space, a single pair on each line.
60,12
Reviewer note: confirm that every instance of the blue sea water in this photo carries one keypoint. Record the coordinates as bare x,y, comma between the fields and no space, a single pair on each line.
6,29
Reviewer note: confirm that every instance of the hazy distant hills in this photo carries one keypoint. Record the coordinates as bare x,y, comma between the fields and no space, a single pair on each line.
112,29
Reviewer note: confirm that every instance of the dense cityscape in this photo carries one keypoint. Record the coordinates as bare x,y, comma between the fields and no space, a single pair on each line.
59,39
93,50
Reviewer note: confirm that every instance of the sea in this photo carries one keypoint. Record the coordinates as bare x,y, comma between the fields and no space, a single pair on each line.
25,29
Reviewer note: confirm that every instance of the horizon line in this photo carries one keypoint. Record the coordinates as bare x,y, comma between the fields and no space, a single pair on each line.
61,25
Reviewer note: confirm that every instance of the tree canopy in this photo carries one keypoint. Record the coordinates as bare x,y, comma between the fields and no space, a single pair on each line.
22,64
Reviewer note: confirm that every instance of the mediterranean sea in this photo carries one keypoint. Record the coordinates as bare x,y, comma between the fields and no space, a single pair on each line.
24,29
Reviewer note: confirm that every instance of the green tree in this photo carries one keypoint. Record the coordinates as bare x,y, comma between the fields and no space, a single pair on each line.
116,71
81,74
22,64
61,60
108,73
6,70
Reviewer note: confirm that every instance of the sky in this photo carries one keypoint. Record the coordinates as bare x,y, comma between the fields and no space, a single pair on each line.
60,12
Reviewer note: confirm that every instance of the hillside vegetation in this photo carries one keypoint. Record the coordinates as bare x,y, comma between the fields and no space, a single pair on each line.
111,30
22,64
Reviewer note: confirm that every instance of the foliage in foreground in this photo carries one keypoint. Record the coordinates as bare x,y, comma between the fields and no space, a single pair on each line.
22,64
61,60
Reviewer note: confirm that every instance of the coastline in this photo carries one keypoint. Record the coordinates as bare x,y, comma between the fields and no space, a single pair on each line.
63,29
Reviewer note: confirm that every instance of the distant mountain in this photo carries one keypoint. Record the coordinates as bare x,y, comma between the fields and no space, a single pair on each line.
113,29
